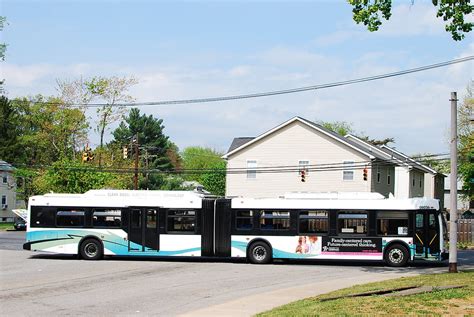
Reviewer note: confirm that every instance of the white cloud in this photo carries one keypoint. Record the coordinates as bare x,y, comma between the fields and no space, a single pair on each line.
413,109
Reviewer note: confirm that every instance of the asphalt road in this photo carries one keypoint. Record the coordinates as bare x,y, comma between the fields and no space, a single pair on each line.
38,284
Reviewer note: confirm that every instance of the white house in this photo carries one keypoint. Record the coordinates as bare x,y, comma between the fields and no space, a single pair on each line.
7,192
300,155
412,178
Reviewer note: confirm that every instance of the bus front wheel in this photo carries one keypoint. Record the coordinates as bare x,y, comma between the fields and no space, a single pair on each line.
91,249
260,253
396,255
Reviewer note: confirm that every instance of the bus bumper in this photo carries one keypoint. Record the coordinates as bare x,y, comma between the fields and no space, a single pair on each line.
444,256
27,246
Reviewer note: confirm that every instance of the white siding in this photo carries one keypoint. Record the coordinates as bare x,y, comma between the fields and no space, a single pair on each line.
286,147
402,182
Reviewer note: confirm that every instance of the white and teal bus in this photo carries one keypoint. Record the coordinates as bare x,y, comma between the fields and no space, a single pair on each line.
344,226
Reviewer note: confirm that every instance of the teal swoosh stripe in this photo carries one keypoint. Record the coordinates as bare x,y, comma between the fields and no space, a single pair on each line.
52,238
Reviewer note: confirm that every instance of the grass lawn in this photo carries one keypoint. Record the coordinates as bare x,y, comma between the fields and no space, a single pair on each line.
457,302
6,226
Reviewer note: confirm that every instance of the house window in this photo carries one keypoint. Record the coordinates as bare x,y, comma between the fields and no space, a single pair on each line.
389,178
348,172
378,175
4,200
5,178
303,166
251,169
413,181
420,182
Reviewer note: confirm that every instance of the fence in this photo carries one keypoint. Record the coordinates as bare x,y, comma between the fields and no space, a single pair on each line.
466,230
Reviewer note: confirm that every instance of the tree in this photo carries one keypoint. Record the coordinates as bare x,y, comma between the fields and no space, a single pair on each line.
154,144
205,166
371,12
466,142
343,128
113,91
75,94
10,150
67,176
340,127
46,128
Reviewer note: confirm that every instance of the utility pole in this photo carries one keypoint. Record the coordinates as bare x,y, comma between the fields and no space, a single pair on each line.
135,179
453,212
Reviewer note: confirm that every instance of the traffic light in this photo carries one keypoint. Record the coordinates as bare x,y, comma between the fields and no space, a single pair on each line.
366,172
125,152
85,156
303,176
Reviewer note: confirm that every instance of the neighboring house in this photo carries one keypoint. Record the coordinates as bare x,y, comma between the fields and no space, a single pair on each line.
412,179
7,192
270,165
415,179
463,204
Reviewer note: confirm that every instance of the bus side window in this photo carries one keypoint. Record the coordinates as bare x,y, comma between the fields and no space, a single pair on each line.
43,217
244,219
313,221
352,222
392,223
70,218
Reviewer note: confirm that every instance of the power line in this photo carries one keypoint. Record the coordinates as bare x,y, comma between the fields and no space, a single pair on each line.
272,93
337,166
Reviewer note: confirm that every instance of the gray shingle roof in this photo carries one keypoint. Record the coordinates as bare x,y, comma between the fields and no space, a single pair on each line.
237,142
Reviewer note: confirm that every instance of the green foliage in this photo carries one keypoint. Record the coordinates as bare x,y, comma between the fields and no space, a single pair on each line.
466,142
428,159
73,177
112,91
371,12
214,180
154,148
340,127
454,11
343,128
205,166
9,130
151,138
39,130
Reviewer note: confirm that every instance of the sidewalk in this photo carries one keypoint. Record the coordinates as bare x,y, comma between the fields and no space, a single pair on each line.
251,305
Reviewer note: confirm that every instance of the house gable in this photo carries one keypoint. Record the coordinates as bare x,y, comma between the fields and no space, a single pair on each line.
311,125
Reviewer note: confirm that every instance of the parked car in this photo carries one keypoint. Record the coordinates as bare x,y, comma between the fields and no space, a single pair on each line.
19,224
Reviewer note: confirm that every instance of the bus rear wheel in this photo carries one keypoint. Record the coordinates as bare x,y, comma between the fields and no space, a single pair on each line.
259,253
396,255
91,249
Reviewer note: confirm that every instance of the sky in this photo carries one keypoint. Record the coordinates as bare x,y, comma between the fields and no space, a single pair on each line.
199,49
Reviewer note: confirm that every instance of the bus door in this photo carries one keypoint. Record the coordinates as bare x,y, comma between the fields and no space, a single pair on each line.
426,234
143,232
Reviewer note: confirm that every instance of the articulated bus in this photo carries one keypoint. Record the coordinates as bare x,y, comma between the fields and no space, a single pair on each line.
344,226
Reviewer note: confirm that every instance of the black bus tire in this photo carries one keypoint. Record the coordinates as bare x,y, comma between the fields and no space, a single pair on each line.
259,253
396,255
91,249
